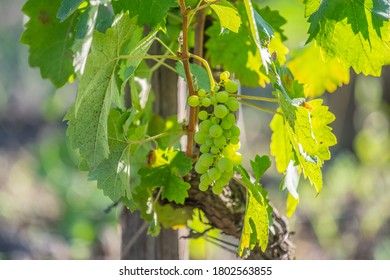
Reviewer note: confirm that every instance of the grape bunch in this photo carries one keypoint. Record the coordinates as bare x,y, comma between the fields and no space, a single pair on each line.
218,136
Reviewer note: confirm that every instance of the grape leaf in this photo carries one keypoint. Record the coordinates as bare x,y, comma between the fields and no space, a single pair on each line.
264,54
311,6
356,32
328,76
165,172
150,12
113,173
306,126
200,74
291,205
49,40
227,15
238,54
67,8
260,165
98,88
273,19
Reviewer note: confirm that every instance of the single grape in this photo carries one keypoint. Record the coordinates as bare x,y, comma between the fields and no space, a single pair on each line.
201,93
209,142
206,102
203,187
224,76
205,125
204,148
220,141
226,124
214,173
205,179
232,104
203,115
231,117
235,130
234,140
193,100
225,164
229,151
222,96
200,137
215,131
217,190
237,159
228,174
214,150
220,111
213,100
214,120
200,169
220,183
206,159
231,86
216,88
226,133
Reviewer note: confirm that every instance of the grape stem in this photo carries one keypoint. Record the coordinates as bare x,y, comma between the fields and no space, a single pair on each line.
157,136
258,98
261,108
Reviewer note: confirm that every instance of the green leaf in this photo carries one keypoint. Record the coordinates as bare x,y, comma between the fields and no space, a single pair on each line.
113,174
200,75
164,172
260,166
264,54
98,88
255,230
280,146
236,53
150,12
227,15
355,32
306,126
273,19
328,75
311,6
67,8
49,40
291,205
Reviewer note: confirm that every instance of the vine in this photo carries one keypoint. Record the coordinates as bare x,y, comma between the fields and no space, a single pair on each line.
104,44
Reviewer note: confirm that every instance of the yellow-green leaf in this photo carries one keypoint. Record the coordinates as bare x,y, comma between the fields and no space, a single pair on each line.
227,15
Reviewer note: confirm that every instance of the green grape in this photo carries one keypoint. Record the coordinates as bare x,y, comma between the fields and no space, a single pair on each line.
214,173
214,120
225,164
203,115
193,101
229,151
209,142
204,148
226,133
220,183
224,76
217,190
231,117
226,123
205,125
213,100
228,174
205,179
220,111
235,130
237,159
203,187
200,169
215,131
231,86
201,93
214,150
206,102
206,159
216,88
234,140
220,141
222,96
200,137
232,104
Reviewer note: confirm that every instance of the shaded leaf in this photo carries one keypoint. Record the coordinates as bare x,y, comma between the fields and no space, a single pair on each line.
200,75
67,8
50,41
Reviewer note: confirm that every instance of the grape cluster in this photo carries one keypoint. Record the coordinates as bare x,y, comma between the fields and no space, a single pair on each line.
218,136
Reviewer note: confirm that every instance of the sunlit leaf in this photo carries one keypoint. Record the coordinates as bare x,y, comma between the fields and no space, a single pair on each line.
227,15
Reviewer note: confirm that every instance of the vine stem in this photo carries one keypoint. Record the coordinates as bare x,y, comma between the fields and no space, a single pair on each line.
208,69
261,108
185,56
257,98
154,137
162,56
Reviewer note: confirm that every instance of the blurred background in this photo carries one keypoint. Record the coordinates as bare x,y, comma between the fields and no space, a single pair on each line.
49,210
